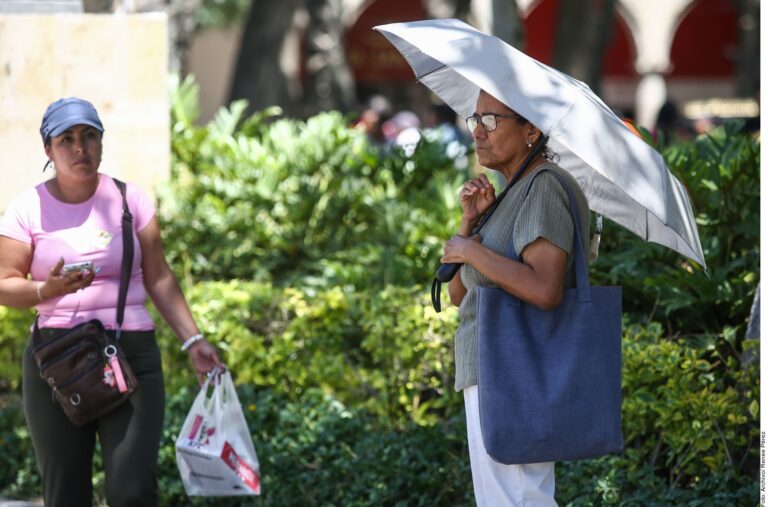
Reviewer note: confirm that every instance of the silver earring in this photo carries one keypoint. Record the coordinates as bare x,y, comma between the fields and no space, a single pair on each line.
529,144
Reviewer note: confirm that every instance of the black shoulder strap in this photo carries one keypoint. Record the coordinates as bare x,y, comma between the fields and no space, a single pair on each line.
127,263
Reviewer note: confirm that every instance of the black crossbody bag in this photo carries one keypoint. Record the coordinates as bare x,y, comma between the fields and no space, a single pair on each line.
85,367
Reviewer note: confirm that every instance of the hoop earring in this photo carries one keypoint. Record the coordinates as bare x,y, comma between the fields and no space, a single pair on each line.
49,163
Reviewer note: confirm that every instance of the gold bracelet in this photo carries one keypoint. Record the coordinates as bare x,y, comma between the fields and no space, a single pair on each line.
39,291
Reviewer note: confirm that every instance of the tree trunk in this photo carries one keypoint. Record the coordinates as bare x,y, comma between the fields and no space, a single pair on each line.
330,84
584,30
458,9
748,57
500,18
507,25
259,76
182,26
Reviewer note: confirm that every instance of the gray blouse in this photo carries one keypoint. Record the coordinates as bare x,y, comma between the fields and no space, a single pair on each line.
544,213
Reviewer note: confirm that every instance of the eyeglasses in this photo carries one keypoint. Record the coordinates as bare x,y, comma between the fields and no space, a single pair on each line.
487,120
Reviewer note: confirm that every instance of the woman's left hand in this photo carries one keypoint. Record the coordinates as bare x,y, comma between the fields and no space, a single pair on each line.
204,358
457,248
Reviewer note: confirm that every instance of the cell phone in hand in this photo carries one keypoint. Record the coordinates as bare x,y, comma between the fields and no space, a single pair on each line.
78,266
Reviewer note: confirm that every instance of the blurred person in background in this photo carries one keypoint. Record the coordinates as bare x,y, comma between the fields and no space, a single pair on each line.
372,118
441,121
402,130
670,124
442,128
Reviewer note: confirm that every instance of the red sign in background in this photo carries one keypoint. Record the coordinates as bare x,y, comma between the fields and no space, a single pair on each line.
372,58
704,43
540,26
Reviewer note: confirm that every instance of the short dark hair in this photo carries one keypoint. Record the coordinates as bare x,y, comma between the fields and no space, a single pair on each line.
548,153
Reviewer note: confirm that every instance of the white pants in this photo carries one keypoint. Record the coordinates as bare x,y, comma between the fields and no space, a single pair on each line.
498,485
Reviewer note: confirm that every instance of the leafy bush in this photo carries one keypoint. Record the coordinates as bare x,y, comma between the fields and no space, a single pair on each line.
302,202
18,469
686,416
387,352
721,172
689,435
314,451
691,391
686,420
14,331
610,481
317,451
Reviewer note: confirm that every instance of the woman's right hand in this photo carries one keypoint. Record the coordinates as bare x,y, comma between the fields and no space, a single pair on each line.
476,197
58,284
204,358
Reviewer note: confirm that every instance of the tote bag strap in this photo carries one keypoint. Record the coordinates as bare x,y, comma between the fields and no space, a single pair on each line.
580,259
127,263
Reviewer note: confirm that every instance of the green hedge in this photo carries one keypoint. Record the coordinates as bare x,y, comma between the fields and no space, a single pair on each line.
319,451
302,203
318,426
721,172
387,352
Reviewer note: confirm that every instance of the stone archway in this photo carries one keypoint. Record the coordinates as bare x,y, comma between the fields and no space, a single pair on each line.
653,24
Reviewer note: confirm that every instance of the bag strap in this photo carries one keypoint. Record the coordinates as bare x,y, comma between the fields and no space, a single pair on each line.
487,215
580,259
127,262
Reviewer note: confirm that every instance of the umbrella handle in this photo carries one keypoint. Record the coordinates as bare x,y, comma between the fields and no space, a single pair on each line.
446,272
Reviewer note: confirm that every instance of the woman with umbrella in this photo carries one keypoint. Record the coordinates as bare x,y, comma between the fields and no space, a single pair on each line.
549,354
539,224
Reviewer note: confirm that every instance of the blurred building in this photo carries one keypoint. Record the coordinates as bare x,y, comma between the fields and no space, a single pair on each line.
123,72
661,51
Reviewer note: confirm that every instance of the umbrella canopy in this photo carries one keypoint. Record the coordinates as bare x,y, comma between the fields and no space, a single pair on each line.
622,177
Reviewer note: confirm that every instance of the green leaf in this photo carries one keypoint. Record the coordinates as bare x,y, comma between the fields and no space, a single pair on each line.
754,409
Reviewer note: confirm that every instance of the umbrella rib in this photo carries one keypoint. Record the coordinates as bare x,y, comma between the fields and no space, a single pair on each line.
566,110
432,71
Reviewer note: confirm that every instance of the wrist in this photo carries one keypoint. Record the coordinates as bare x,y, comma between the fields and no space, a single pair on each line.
465,229
468,249
191,341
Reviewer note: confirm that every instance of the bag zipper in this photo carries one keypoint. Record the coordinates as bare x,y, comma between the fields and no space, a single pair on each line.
78,377
63,355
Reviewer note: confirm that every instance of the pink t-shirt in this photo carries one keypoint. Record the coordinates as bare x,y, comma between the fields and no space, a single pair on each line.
87,231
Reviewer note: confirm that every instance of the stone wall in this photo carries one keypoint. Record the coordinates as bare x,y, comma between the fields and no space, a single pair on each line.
118,62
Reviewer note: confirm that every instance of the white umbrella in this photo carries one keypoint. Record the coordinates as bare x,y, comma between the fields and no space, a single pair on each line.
623,177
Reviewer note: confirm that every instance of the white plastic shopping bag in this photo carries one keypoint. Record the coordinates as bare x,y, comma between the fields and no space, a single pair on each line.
214,451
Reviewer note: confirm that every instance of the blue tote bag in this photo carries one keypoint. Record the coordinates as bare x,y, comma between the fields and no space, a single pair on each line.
549,381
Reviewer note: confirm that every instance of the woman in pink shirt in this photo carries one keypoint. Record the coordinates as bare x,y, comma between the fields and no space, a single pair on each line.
76,216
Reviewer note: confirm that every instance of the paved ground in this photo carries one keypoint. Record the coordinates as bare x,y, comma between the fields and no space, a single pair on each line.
20,503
